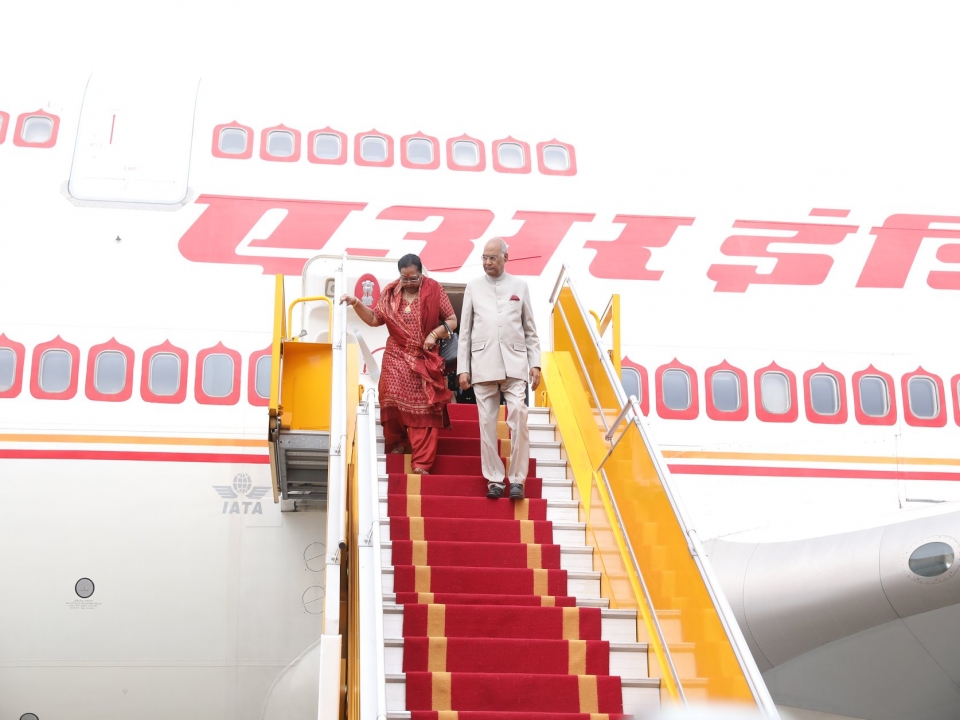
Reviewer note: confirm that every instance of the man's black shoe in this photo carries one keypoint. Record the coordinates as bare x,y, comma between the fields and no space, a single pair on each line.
495,492
516,491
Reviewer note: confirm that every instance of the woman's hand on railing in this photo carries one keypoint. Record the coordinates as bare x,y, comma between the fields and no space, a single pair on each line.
349,300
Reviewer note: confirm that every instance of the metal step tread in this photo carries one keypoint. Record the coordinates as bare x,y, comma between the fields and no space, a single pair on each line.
603,603
624,681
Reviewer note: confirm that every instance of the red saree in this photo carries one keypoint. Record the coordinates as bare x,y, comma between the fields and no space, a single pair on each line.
413,388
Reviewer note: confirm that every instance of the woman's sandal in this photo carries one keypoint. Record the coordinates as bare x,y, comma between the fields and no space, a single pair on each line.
421,471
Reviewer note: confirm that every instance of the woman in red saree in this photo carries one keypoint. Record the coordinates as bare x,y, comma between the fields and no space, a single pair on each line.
413,389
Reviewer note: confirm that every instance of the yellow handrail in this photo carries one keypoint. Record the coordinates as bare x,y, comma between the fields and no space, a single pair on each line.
314,298
279,333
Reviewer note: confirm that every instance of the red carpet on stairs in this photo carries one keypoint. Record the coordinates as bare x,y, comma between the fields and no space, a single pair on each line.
489,630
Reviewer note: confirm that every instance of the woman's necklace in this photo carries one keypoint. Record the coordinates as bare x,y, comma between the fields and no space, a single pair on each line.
409,302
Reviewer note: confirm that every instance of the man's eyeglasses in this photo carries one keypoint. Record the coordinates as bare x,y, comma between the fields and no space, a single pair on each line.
407,279
490,258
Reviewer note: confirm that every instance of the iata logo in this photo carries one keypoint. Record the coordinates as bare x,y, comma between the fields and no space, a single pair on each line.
242,486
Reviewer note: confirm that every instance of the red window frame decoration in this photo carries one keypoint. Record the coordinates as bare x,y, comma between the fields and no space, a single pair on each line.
792,412
358,157
541,162
662,410
481,154
264,136
20,142
4,124
234,397
57,343
164,348
404,160
217,152
20,355
527,161
91,386
644,384
312,157
954,392
941,419
252,396
841,415
891,417
742,412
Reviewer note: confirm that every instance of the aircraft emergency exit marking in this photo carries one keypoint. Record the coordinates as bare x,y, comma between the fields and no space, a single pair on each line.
307,225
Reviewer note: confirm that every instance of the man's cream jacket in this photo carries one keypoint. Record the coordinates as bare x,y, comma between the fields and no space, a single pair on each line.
498,337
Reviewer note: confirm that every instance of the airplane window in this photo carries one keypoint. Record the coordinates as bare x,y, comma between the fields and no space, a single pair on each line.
373,148
725,386
164,374
233,141
630,379
874,400
110,374
922,394
775,393
420,151
824,394
218,375
280,143
326,146
55,366
29,716
931,559
37,129
511,155
556,157
262,382
676,389
8,368
466,154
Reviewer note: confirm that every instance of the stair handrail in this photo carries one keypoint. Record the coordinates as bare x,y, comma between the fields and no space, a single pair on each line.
370,544
738,642
312,298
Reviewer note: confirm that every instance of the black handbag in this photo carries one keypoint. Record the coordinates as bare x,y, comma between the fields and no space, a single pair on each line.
449,346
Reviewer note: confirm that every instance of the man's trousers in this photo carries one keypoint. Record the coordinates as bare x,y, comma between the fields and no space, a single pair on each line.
488,407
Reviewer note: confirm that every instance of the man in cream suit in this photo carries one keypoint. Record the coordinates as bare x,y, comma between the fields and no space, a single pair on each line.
498,351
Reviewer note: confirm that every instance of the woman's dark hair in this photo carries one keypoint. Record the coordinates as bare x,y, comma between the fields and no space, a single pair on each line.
408,260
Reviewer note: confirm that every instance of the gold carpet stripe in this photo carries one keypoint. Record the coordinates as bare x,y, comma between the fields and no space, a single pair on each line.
571,623
416,526
436,620
526,531
540,584
587,684
593,716
414,506
577,657
425,598
521,510
408,463
548,601
505,449
413,484
437,657
419,555
421,581
534,557
454,715
503,430
502,414
441,691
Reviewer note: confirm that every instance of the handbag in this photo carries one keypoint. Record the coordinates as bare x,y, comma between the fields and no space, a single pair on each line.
449,346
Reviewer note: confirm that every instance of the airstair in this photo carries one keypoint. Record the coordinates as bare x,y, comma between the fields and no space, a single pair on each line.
594,595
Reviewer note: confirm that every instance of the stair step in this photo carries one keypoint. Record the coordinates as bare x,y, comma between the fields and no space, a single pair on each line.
617,626
571,558
604,603
558,511
564,533
540,448
553,489
640,695
626,659
546,469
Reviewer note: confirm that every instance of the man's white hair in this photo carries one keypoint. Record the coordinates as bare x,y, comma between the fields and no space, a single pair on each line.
503,244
